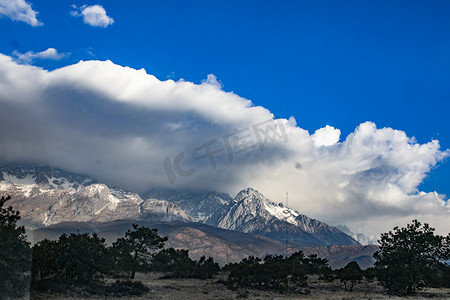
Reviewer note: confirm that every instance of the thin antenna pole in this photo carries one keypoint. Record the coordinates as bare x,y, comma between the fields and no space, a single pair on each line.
286,229
286,240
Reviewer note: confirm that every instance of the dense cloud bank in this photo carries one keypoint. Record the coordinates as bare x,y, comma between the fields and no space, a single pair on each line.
127,128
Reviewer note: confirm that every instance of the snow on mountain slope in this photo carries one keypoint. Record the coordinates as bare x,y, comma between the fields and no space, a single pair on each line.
253,213
47,196
52,177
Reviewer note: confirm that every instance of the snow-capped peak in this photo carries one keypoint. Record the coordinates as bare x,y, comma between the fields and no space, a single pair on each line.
95,189
282,212
46,196
252,212
101,190
269,208
250,194
43,176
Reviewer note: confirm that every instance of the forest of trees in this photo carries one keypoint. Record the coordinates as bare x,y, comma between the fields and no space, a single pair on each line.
81,261
408,259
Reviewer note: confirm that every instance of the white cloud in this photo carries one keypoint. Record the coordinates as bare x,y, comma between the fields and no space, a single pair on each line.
19,10
212,80
94,15
30,56
326,136
119,125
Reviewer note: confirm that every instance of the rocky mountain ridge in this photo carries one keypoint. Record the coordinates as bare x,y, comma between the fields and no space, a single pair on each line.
203,207
251,212
46,196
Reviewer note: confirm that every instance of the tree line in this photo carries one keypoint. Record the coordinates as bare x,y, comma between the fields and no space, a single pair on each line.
81,261
408,260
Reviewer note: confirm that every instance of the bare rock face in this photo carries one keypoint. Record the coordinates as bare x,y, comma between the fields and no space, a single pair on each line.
154,209
95,202
46,196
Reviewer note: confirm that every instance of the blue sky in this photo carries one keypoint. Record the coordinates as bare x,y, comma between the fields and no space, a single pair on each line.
337,63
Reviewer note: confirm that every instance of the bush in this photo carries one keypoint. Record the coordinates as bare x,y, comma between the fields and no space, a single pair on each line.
128,288
117,289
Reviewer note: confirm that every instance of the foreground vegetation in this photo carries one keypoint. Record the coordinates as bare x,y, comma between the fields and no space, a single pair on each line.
409,259
194,288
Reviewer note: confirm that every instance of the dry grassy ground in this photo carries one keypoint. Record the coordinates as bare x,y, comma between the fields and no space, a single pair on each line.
187,289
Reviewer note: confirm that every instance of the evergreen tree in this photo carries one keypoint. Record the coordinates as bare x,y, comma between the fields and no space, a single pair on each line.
409,257
175,261
274,273
206,268
84,257
136,250
350,275
14,254
45,260
77,258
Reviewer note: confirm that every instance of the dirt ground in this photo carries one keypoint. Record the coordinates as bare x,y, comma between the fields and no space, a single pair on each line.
187,289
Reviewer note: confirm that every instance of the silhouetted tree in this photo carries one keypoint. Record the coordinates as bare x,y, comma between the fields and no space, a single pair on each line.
318,266
85,256
370,273
175,261
14,254
206,268
170,260
181,266
46,260
247,260
408,257
274,273
136,250
77,258
251,260
350,275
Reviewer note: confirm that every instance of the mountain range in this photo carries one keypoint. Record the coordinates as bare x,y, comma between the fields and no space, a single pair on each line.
47,196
